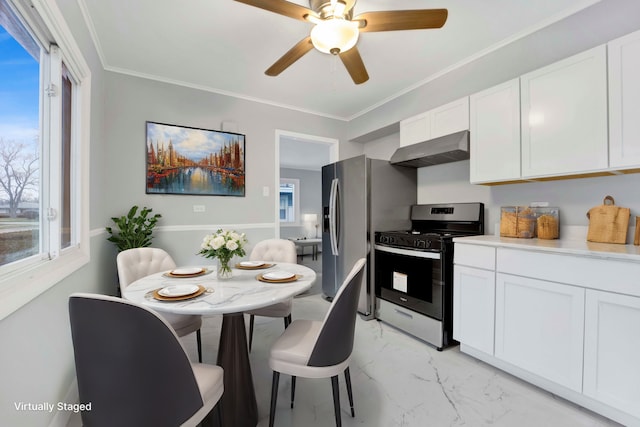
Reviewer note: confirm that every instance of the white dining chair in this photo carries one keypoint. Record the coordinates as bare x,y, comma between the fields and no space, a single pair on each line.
274,250
137,376
136,263
320,349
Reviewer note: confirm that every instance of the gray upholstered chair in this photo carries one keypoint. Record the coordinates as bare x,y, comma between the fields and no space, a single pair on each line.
133,264
273,250
136,376
320,349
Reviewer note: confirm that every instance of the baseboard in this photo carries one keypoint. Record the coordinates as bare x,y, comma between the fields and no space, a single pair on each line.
61,418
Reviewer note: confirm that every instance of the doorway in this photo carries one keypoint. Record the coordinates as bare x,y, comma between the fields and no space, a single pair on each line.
298,202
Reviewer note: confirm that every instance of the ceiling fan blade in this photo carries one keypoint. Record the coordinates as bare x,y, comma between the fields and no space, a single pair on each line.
353,62
394,20
281,7
295,53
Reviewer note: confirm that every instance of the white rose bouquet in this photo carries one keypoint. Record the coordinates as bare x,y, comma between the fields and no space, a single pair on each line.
224,245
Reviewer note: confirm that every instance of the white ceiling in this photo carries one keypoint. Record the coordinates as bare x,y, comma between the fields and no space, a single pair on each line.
225,46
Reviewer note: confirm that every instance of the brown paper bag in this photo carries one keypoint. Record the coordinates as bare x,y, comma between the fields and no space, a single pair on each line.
608,223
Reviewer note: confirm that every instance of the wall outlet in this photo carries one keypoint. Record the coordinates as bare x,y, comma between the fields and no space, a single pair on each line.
265,191
198,208
539,204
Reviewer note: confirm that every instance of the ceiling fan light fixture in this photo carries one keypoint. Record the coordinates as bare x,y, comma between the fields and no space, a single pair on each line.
335,35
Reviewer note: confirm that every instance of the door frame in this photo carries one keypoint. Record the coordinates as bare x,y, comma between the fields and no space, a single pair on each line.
333,145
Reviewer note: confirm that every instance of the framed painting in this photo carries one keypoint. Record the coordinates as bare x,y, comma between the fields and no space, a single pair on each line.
193,161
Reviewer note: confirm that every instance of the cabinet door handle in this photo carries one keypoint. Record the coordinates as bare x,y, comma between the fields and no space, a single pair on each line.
403,299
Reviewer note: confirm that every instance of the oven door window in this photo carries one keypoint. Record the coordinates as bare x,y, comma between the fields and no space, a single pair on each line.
410,281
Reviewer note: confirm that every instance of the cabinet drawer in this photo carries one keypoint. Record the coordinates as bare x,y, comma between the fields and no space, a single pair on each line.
409,321
475,256
587,272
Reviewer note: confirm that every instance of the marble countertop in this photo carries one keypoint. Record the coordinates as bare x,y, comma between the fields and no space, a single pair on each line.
559,246
243,292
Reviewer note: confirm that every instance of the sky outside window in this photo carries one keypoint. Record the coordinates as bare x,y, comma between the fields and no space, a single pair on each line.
19,86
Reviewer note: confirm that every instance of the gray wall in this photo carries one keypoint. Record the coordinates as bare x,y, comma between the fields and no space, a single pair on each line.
310,201
131,101
36,355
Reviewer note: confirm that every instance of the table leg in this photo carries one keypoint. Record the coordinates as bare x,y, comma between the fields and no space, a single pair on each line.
239,406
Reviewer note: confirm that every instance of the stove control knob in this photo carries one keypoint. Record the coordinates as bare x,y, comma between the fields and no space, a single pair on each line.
419,244
428,244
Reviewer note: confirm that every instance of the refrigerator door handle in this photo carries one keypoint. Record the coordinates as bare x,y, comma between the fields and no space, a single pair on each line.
333,221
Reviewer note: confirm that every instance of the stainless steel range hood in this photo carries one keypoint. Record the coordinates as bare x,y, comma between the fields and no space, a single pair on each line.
445,149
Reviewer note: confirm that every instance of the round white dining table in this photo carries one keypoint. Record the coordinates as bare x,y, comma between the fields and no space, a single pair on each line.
230,297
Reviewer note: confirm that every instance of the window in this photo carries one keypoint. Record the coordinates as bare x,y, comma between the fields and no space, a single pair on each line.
289,201
44,104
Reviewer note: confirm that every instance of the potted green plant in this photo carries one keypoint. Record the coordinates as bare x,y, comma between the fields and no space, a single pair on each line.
134,230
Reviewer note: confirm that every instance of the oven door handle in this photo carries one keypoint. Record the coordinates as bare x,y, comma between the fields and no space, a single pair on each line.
408,252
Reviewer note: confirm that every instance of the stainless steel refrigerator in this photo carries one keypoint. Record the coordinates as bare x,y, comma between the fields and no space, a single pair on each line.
360,196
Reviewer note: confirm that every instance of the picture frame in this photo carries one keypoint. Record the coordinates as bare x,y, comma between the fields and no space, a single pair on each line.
193,161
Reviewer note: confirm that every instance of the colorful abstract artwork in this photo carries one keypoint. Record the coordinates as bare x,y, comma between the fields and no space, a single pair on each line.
186,160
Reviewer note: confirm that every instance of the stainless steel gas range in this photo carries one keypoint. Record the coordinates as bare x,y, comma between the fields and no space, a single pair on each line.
414,269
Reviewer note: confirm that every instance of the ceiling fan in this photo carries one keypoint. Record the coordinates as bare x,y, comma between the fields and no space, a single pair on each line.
336,31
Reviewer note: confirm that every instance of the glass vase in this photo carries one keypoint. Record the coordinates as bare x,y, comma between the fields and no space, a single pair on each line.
224,271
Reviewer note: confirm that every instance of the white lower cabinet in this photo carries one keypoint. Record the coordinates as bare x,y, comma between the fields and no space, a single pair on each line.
612,350
473,307
540,328
568,323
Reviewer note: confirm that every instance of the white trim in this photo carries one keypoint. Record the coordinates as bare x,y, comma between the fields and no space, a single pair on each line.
221,92
62,418
28,280
505,42
334,146
528,31
96,232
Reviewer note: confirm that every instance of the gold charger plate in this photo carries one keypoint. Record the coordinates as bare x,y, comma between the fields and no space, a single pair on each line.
287,280
200,291
255,267
186,276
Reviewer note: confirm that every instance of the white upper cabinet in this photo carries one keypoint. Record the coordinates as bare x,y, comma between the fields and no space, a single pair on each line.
440,121
450,118
415,129
564,116
495,133
624,101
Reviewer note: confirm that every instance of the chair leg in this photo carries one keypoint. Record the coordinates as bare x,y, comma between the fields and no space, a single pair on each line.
336,400
287,321
218,410
199,341
347,378
274,397
293,390
251,320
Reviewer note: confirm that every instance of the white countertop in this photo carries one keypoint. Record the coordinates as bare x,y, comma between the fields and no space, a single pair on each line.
243,292
559,246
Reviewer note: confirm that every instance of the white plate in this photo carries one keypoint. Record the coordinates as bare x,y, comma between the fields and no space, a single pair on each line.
178,290
278,275
187,271
251,263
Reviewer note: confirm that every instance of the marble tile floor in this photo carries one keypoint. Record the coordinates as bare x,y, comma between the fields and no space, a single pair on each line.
398,381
